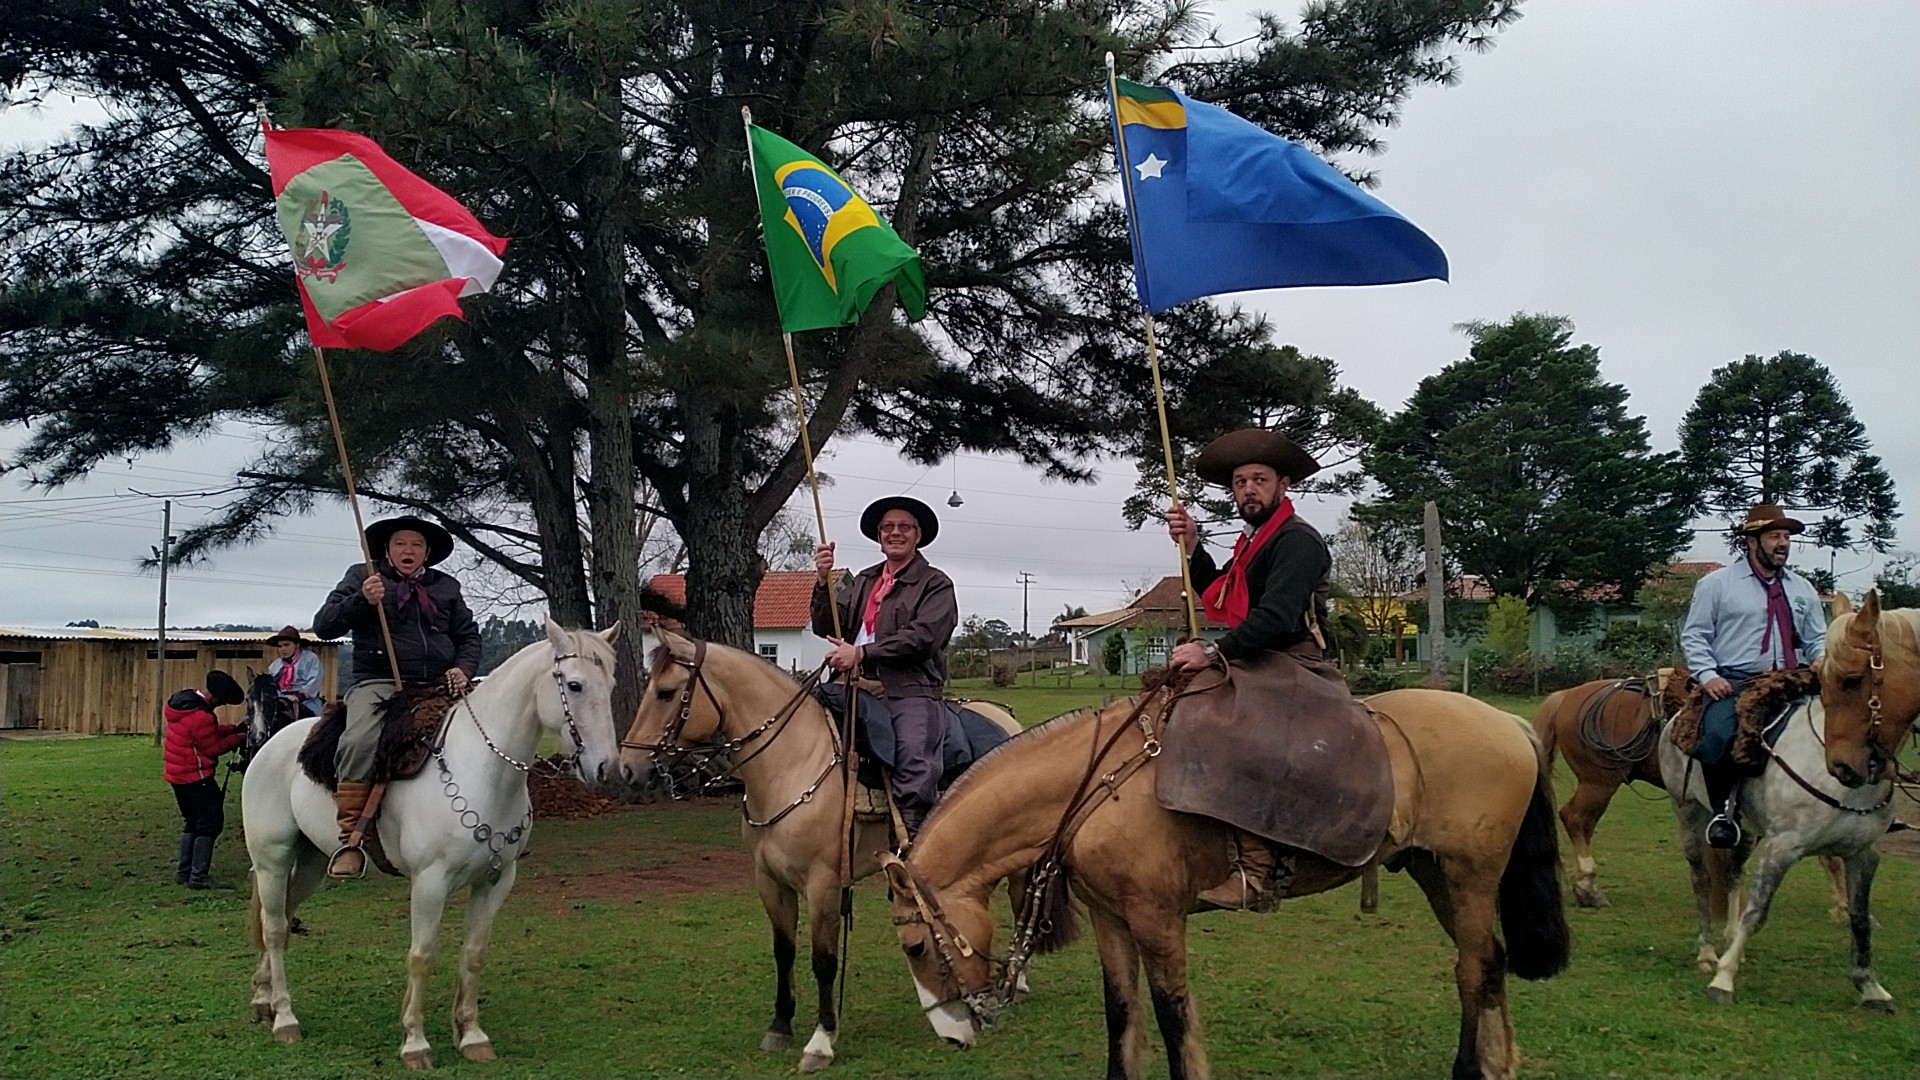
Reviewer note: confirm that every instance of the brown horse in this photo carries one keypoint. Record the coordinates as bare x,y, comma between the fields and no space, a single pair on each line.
1472,824
1870,687
786,752
1606,730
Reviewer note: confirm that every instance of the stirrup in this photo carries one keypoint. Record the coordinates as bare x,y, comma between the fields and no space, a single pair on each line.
1718,837
336,855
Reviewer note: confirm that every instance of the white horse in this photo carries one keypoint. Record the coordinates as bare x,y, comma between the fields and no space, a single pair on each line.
462,822
1795,809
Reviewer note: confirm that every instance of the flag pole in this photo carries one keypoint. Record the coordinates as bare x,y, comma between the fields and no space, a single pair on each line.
1153,357
353,499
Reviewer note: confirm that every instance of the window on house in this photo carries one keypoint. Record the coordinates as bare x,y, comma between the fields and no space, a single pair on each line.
770,653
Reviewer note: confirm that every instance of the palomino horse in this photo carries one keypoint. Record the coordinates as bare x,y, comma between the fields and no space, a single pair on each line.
461,823
1074,798
786,752
1796,809
1606,731
1870,686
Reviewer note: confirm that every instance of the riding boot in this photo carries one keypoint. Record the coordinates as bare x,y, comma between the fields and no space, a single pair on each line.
1724,830
1247,887
349,799
200,876
185,868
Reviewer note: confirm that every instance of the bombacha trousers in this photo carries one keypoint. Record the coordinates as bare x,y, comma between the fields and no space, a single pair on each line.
353,761
919,739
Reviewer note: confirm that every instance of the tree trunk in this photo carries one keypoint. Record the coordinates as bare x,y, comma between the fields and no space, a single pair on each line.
547,468
724,567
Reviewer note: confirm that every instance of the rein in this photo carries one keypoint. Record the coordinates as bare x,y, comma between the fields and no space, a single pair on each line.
986,1002
1814,791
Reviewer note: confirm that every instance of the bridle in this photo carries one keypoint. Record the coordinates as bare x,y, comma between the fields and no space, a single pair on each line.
671,747
985,1003
1860,811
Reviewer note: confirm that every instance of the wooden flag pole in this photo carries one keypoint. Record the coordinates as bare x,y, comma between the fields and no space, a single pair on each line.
353,499
1153,359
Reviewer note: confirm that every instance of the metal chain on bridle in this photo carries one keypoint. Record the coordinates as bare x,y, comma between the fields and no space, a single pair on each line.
986,1002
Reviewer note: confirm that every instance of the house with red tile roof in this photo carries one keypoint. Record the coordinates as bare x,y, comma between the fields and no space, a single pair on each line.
1151,624
781,633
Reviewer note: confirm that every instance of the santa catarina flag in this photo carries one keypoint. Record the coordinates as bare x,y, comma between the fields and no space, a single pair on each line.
829,253
1219,204
378,253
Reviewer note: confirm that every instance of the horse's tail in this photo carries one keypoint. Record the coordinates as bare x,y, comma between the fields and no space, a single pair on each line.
256,926
1532,916
1544,726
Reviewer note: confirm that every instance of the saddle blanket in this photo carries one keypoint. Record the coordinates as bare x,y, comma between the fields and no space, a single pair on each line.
969,735
1276,746
406,742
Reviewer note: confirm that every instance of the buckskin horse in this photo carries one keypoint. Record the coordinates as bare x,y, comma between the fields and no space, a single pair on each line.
786,751
1817,795
463,824
1472,824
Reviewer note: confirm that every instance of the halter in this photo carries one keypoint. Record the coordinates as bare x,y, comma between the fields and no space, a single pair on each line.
671,748
986,1002
1861,811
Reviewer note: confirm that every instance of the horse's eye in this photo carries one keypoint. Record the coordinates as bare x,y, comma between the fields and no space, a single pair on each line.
576,685
914,950
1849,682
664,695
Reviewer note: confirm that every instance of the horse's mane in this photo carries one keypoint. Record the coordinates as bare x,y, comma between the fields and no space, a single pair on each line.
1039,735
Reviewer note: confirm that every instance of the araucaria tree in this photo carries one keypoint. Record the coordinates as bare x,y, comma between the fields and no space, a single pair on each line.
1545,483
1778,430
632,343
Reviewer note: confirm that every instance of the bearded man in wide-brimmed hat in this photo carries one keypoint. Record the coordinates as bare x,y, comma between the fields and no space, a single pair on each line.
899,614
296,672
435,640
1745,619
1272,594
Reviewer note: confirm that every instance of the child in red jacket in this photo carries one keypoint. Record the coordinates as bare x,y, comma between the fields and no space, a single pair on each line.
195,741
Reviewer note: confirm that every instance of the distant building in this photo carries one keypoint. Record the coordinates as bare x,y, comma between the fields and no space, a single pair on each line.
100,680
781,633
1151,624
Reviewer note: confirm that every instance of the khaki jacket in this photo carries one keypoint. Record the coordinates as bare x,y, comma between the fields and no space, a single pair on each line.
908,653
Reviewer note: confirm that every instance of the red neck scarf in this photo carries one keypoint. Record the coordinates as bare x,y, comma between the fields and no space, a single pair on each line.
1779,614
1227,599
286,671
880,590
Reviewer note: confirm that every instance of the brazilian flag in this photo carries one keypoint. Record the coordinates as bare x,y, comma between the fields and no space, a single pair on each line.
829,253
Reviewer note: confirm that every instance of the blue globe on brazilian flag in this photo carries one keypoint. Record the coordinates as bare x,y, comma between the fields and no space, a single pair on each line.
829,253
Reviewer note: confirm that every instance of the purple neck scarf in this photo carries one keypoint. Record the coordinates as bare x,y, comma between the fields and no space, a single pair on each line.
1779,614
413,590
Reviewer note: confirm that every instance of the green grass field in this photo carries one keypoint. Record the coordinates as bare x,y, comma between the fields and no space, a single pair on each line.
633,946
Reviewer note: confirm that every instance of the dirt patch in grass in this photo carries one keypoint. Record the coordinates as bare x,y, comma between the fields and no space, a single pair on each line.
679,870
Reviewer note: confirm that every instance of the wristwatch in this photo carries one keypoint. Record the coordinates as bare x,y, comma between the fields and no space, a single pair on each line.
1213,653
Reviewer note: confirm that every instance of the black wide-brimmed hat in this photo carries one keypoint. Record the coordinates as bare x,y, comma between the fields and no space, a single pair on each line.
1768,516
287,633
439,540
223,689
1254,446
922,513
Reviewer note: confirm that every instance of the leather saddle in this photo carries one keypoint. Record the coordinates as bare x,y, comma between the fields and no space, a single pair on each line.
410,726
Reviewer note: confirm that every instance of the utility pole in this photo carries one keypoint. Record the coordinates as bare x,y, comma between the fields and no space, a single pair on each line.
1436,590
164,552
1026,579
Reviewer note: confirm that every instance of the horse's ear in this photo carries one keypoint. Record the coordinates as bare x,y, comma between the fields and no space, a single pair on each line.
896,871
611,634
680,646
557,635
1841,605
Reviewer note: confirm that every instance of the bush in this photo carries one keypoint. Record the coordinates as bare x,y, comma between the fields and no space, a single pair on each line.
1379,679
1630,649
1003,674
1113,653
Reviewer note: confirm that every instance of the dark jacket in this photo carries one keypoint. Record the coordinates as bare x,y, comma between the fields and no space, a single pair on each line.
426,647
195,738
1286,577
908,654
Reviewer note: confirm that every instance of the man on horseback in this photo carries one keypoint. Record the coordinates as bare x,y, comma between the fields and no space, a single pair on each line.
1272,594
296,672
435,640
901,613
1745,619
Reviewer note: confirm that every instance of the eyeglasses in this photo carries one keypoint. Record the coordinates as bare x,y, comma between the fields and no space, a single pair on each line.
909,527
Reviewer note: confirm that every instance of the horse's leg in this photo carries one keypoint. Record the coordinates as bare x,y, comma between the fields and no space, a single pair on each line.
1860,870
429,904
1836,869
1462,897
1706,871
483,903
1581,816
271,1001
1120,982
1776,857
782,905
823,920
1161,936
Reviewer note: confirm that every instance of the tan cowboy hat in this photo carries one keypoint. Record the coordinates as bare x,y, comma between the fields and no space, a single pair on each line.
922,513
1254,446
1768,516
287,633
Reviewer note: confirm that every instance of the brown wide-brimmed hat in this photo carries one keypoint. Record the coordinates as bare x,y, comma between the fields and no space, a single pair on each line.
287,633
922,513
1768,516
439,540
1254,446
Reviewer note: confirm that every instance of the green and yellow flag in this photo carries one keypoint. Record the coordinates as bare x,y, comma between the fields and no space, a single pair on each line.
828,251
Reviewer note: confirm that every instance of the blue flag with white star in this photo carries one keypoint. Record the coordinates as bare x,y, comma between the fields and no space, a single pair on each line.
1218,205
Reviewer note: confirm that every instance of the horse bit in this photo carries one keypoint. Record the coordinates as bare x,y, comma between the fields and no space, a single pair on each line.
497,841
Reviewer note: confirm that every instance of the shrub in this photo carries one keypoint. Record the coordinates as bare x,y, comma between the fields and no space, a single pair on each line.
1003,674
1630,649
1509,628
1379,679
1113,653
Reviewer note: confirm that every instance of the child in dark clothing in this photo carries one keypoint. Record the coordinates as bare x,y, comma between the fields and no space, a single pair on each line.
195,740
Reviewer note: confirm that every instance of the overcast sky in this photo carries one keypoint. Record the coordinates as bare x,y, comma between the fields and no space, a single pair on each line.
1688,182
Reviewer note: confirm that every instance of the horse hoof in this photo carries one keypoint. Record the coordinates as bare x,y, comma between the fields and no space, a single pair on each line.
811,1062
288,1033
1706,967
776,1040
1885,1007
1719,996
418,1060
480,1051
